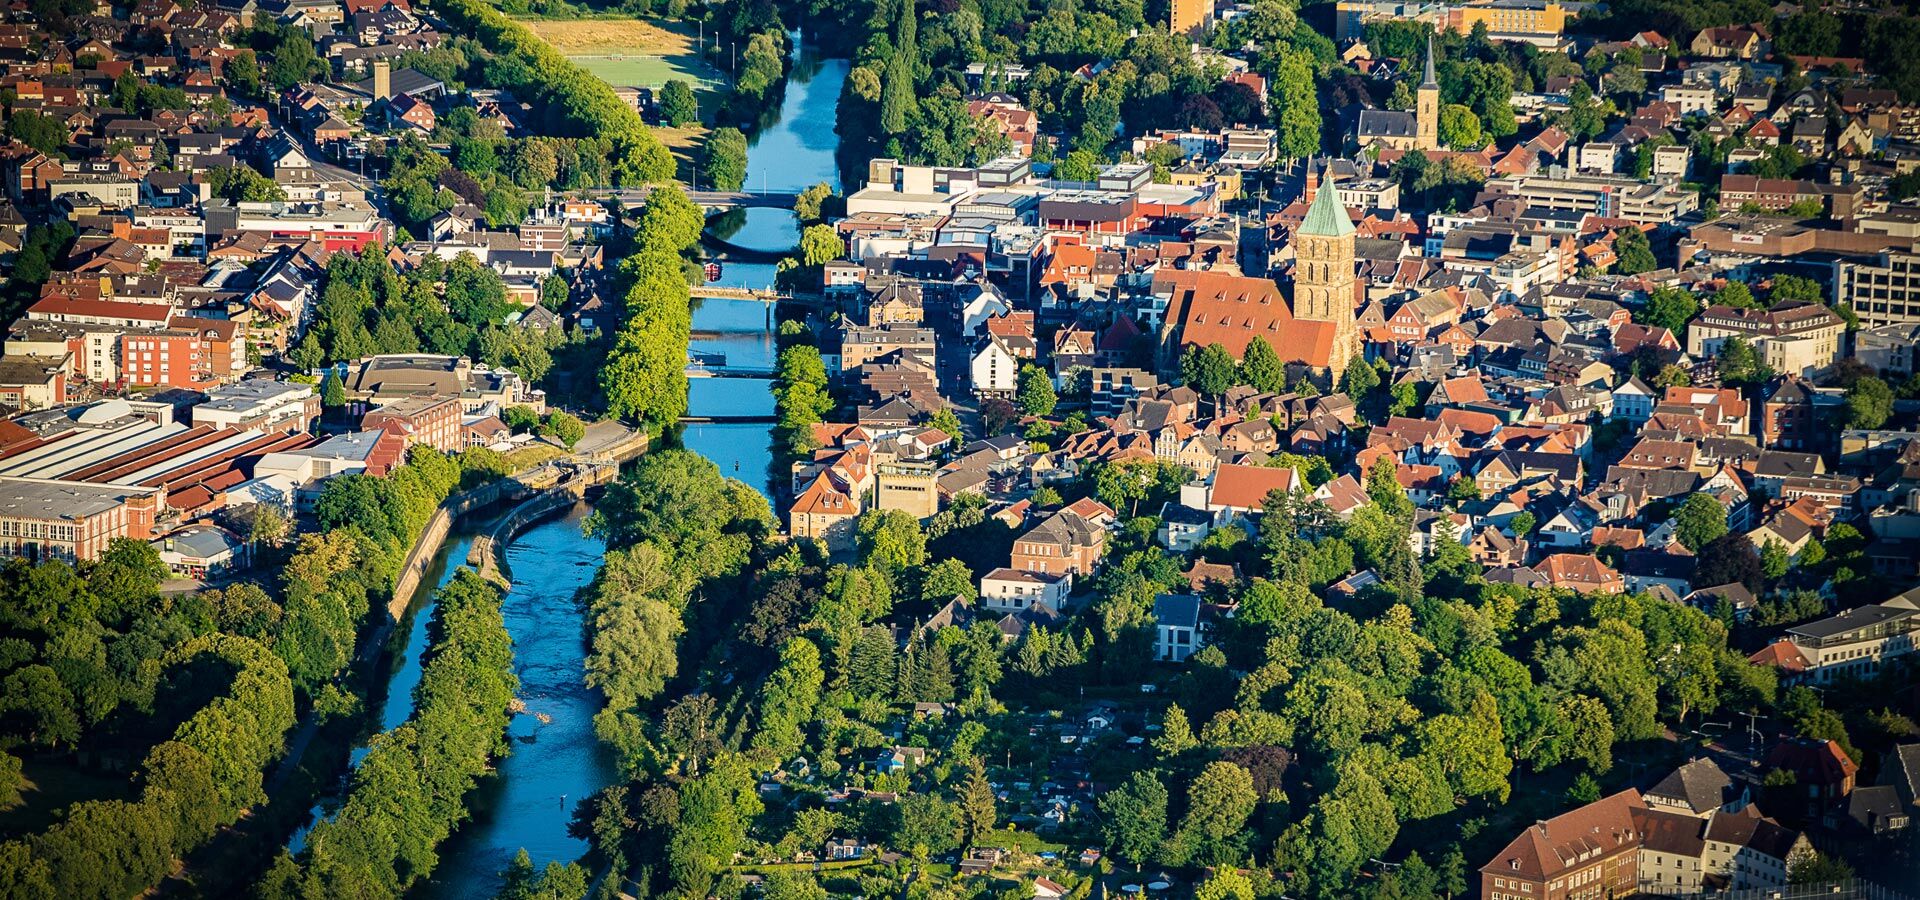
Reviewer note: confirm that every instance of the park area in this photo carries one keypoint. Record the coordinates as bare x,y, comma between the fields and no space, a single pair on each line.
637,53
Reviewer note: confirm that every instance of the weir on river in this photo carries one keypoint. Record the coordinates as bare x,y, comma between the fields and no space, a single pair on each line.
556,759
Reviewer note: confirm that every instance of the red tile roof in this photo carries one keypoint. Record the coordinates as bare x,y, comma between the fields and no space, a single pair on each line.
1246,487
1230,310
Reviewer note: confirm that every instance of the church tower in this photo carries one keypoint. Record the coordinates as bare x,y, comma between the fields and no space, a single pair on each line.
1323,275
1426,108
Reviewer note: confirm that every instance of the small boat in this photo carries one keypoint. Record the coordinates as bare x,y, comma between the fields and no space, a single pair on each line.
713,272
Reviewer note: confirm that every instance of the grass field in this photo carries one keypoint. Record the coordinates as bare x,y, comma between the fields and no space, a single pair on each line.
629,52
636,53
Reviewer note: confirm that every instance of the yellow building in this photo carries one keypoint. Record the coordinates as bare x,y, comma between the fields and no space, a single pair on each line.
1189,15
1530,20
1538,22
1226,181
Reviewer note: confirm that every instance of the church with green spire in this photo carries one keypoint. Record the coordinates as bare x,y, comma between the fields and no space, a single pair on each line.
1323,274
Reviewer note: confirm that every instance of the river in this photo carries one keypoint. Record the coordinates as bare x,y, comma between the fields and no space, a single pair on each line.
554,764
793,153
555,759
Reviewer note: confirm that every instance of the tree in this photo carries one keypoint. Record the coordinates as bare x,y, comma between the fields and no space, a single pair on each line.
1080,165
678,107
1225,884
1296,104
42,132
1869,403
820,244
1818,868
788,699
1521,524
1460,128
891,540
36,704
1670,308
1359,380
1737,295
1405,397
1218,804
10,780
996,416
1134,817
1634,255
896,84
792,884
926,821
1673,375
1700,520
554,292
945,580
1176,735
1740,363
1208,370
126,578
1730,559
947,422
977,812
1774,560
723,159
564,427
1584,790
1261,368
1036,396
559,881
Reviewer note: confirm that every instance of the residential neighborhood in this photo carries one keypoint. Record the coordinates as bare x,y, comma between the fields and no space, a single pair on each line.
960,450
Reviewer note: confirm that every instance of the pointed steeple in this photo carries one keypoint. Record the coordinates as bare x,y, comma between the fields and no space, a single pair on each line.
1326,216
1430,81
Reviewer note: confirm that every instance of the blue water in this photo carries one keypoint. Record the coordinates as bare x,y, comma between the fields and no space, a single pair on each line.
555,760
396,702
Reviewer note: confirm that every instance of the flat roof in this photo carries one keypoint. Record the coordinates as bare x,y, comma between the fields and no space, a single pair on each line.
39,498
244,395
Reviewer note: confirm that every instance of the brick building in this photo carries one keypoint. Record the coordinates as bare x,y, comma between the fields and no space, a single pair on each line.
427,419
42,519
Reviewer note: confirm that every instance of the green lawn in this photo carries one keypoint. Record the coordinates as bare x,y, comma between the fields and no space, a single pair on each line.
637,69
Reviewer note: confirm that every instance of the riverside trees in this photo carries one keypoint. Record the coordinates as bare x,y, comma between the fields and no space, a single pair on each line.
409,792
644,378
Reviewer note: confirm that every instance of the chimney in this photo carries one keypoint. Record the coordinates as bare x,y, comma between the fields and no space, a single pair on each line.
382,79
1313,181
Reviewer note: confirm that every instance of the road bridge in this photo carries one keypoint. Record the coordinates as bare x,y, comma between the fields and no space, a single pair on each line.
728,420
718,201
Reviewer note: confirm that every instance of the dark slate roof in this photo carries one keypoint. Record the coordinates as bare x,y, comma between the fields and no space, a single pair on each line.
1700,785
1386,123
1177,610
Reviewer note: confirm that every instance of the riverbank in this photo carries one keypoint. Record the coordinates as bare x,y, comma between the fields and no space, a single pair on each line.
415,777
554,759
306,782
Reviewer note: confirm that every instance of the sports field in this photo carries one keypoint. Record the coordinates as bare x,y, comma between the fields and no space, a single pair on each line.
629,52
635,53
